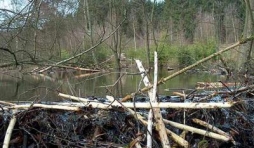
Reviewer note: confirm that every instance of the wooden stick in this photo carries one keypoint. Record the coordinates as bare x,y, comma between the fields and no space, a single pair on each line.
160,127
9,130
198,131
173,105
211,127
7,103
76,98
93,103
27,106
86,75
153,100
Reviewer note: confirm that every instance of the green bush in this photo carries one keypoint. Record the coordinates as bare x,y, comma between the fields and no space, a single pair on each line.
185,57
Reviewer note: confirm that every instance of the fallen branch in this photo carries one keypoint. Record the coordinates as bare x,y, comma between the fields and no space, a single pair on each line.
79,99
9,130
7,103
60,107
148,105
198,131
211,127
86,75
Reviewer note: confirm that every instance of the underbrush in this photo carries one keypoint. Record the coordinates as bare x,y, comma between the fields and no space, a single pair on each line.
176,55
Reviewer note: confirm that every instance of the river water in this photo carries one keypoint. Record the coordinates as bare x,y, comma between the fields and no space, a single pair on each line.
31,87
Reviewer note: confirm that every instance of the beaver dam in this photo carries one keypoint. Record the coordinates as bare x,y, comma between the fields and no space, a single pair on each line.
215,114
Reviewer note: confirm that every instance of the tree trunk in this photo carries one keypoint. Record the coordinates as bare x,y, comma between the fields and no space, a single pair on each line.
89,29
246,49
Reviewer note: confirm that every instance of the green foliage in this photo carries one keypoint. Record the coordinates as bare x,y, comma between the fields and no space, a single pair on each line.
64,54
176,54
189,54
185,57
139,53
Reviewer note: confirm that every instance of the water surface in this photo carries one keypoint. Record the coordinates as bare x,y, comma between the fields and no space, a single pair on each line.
27,87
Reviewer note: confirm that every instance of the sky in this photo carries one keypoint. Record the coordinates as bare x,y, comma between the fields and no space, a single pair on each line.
6,3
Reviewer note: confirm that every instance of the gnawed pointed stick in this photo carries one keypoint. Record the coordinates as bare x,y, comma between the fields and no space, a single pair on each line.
198,131
159,124
163,80
174,136
9,130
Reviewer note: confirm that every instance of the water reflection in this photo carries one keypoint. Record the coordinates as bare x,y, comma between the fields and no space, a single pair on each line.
19,87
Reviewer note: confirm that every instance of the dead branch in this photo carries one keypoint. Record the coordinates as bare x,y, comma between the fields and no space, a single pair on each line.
9,130
198,131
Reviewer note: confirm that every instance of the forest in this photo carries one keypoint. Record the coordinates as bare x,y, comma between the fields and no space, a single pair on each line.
126,73
182,32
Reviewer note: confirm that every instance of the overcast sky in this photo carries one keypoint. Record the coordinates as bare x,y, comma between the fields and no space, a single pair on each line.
7,3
